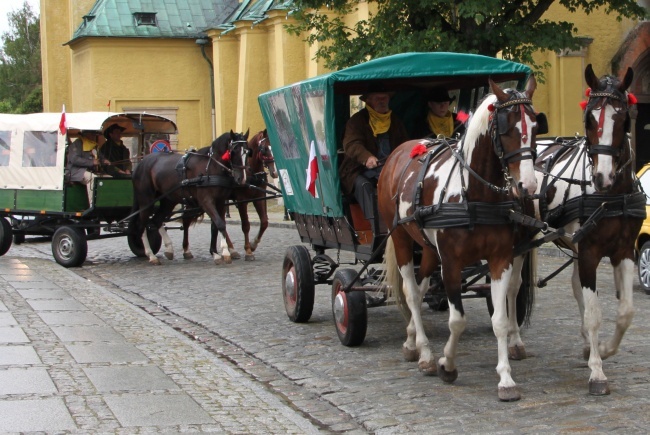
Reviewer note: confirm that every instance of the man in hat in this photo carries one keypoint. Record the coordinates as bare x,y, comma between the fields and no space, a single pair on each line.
115,152
439,120
370,136
82,159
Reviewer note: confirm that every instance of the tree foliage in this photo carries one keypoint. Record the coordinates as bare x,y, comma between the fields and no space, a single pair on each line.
20,63
516,28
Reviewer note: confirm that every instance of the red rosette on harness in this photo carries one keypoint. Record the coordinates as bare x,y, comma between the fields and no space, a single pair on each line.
418,150
226,156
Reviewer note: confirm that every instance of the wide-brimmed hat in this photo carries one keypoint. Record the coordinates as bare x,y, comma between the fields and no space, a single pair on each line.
112,127
376,88
439,95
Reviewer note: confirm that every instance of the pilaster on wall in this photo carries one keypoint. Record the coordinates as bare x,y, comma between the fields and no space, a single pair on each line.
568,91
253,77
225,55
286,53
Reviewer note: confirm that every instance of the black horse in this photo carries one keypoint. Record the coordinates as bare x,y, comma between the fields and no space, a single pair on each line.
203,178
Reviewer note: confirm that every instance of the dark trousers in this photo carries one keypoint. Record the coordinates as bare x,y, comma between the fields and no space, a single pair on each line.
365,192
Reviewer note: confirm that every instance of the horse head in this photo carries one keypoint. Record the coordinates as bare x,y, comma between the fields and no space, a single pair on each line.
513,135
607,122
261,156
238,152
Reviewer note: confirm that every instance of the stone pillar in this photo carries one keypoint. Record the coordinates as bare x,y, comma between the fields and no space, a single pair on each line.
568,91
225,55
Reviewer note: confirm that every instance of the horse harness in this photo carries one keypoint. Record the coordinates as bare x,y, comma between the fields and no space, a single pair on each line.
470,213
208,180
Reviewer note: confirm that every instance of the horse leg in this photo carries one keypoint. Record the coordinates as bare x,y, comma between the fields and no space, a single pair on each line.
218,224
598,384
516,349
577,294
501,272
187,254
451,275
246,228
623,274
167,241
260,207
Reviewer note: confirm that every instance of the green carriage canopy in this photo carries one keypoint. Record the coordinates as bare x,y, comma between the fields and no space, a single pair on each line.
312,113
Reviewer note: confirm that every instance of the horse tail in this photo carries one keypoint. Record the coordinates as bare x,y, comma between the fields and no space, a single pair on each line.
393,281
529,273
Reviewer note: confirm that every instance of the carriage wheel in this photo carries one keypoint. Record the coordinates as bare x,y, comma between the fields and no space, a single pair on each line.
137,247
349,309
69,246
644,267
5,236
298,284
522,296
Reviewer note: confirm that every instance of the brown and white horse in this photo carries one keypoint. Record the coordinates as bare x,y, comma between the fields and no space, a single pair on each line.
590,189
454,202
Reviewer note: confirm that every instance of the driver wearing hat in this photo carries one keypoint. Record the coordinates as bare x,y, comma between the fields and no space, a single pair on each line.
115,152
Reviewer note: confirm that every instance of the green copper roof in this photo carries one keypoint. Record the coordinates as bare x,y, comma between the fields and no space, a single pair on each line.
252,10
154,18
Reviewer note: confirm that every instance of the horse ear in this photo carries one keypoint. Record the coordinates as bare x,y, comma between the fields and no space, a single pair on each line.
590,77
627,80
496,90
246,135
531,86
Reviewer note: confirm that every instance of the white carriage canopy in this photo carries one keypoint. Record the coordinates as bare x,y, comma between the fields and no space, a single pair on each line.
32,150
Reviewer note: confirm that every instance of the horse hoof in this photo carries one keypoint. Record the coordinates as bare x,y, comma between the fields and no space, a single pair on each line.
410,355
427,368
169,255
447,376
218,261
187,255
598,388
235,255
155,262
509,394
517,353
249,257
227,260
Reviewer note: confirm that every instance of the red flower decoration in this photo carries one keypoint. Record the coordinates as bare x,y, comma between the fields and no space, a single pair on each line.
583,104
418,150
491,107
226,156
587,92
462,116
631,99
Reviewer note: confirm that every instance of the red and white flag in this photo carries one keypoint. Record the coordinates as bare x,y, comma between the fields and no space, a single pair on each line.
312,170
63,124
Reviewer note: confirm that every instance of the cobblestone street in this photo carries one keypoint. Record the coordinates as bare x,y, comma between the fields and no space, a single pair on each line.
236,312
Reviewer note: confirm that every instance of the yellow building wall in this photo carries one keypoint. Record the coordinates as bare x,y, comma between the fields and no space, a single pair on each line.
140,73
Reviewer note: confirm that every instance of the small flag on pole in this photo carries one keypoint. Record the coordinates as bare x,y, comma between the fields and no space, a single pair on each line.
63,124
312,170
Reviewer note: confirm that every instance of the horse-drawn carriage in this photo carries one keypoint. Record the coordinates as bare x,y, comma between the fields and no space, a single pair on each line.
448,204
314,113
37,200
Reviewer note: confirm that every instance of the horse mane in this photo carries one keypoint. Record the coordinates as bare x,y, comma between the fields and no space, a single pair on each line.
477,125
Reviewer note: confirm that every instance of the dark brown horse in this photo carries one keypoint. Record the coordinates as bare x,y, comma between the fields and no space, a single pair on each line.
454,202
589,188
260,157
203,178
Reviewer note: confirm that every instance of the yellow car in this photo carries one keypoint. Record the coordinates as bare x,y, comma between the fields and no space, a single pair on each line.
643,240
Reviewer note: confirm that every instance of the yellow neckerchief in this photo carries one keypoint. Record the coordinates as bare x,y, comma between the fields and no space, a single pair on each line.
379,122
88,145
444,125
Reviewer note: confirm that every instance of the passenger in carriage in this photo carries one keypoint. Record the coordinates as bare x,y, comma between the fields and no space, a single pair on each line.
439,120
116,153
370,136
83,160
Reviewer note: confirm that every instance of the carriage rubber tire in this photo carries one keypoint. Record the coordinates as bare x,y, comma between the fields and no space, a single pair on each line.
644,267
137,247
69,246
6,236
351,321
298,284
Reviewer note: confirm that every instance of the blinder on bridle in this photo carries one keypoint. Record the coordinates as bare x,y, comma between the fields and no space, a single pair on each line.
517,103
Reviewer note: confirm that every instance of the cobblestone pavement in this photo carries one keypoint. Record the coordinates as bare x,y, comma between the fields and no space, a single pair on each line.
236,312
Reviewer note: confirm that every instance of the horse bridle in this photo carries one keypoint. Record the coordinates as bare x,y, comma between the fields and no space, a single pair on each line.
610,93
262,148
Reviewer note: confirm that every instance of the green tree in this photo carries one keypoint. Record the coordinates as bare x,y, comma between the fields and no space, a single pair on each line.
514,27
20,62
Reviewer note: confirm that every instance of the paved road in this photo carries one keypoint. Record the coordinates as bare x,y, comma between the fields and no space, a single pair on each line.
236,312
